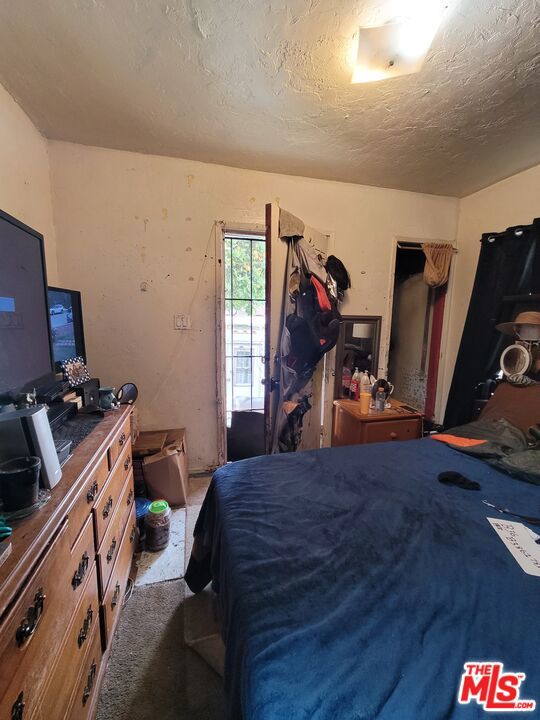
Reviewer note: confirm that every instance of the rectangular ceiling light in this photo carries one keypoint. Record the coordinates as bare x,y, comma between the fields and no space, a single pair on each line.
396,48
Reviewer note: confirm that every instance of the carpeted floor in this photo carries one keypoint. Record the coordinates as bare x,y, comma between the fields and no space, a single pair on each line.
152,673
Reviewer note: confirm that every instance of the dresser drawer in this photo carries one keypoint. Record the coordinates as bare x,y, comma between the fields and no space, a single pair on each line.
107,503
85,694
393,430
85,502
33,627
84,625
114,596
82,558
122,439
110,546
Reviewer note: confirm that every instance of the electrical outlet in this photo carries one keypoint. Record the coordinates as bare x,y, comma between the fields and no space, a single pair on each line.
182,322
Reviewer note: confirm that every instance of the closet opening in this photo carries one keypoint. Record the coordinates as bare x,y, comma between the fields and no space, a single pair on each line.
416,331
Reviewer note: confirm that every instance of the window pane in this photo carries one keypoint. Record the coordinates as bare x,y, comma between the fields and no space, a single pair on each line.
228,327
241,260
227,266
258,258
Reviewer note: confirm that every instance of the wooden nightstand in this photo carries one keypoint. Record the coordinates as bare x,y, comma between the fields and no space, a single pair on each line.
351,427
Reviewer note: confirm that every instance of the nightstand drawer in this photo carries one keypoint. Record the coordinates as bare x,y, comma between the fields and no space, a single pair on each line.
388,430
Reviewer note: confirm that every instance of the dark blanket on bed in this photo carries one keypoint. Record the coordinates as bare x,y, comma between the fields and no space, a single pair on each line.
353,584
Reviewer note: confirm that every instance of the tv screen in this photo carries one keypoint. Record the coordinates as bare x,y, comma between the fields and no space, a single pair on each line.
67,332
25,346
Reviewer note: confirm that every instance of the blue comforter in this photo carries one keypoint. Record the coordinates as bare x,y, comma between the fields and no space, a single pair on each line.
352,584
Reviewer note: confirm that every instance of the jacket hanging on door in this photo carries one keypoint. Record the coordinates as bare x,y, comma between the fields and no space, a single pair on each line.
310,330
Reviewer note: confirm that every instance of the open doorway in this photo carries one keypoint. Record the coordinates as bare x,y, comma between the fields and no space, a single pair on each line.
244,327
416,331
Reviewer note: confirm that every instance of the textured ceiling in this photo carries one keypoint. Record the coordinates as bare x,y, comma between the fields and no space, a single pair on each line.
265,84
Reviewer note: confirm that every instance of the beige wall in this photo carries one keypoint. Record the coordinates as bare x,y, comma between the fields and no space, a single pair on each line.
514,201
25,190
123,219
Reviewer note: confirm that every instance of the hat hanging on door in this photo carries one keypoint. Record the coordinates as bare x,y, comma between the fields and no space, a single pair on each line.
526,327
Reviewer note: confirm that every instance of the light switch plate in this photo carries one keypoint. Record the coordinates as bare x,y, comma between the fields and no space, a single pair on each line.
182,322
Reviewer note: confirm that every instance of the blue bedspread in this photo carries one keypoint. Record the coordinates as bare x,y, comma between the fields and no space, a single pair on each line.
354,585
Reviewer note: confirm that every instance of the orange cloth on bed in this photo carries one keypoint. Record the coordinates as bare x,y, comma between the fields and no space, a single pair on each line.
458,441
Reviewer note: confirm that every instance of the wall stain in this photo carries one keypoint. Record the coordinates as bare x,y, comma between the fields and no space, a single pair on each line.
143,253
188,249
145,221
164,213
190,179
188,219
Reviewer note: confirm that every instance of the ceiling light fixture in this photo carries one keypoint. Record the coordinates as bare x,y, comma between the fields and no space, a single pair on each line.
398,47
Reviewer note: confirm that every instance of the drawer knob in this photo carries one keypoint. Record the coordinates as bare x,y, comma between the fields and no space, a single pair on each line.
87,624
80,572
127,463
393,435
110,553
122,439
129,497
89,682
107,507
92,492
28,626
17,708
116,596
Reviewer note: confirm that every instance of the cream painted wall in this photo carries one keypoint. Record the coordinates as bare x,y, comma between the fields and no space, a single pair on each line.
25,190
514,201
123,219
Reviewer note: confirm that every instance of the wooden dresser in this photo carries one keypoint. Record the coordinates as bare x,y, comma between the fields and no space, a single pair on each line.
62,587
351,427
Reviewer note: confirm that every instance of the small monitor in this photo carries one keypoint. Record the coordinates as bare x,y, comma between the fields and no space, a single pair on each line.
67,332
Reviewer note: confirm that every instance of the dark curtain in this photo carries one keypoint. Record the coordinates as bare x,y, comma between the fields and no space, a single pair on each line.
508,267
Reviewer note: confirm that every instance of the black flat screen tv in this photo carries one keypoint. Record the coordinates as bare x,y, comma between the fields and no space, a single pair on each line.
67,332
25,344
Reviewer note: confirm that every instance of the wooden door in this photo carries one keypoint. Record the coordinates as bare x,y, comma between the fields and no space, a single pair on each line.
276,283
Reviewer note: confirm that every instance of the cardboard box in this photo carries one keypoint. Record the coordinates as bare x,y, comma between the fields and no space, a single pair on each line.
166,472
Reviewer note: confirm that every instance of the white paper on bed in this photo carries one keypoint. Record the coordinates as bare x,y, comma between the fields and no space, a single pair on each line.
521,543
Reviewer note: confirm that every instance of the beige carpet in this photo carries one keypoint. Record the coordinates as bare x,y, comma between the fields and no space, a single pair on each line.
152,673
201,626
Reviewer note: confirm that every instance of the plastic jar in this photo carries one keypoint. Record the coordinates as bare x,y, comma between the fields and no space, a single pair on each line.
157,523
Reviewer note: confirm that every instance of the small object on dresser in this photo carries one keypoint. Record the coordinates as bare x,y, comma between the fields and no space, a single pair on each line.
75,371
107,400
354,388
157,523
19,482
380,400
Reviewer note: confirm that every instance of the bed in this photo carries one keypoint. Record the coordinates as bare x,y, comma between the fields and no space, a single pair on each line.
352,584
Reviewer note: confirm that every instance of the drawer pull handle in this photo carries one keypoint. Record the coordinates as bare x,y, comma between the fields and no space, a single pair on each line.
92,492
129,497
110,553
108,507
17,708
81,571
127,463
132,534
393,435
87,624
89,682
28,626
122,439
116,596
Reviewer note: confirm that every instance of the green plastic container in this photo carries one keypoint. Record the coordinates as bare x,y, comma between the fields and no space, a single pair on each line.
157,523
